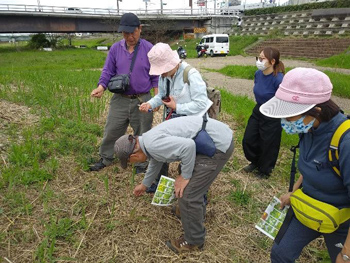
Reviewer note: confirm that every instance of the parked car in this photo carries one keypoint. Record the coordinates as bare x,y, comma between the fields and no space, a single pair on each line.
74,10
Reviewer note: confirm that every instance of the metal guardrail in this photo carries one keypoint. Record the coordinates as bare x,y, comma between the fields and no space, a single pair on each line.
10,8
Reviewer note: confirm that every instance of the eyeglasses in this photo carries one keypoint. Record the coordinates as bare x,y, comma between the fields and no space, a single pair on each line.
260,59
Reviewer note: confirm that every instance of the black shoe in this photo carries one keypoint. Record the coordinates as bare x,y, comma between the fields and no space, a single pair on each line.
98,166
152,188
250,168
262,175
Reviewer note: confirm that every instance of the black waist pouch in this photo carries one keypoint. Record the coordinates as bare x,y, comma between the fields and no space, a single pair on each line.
119,83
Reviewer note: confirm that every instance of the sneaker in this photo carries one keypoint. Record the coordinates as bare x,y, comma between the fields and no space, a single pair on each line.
98,166
250,168
175,210
180,245
151,189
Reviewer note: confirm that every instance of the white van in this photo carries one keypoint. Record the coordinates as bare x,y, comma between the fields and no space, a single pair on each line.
216,44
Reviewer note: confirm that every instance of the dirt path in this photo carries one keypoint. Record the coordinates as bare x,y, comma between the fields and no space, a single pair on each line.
245,87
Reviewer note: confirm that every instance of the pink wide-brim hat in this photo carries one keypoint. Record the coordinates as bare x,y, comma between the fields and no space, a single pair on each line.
162,59
301,90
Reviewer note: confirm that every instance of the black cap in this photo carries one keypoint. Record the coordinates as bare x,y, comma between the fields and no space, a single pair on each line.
128,23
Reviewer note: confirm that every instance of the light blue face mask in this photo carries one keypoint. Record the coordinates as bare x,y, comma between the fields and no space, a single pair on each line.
298,126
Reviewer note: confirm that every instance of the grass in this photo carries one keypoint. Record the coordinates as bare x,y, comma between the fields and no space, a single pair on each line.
336,61
52,210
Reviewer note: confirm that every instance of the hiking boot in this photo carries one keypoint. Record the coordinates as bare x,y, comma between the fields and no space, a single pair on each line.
98,166
175,210
180,245
250,168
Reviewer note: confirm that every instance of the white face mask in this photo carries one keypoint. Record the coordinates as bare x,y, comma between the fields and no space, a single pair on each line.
261,65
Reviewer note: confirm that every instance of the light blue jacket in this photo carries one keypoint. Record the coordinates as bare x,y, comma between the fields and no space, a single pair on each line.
190,99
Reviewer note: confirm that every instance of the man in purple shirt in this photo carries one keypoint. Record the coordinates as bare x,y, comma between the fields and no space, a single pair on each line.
123,108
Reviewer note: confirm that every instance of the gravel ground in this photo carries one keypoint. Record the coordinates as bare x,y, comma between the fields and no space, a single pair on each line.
244,87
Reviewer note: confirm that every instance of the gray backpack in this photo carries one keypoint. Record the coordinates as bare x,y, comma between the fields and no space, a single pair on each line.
213,94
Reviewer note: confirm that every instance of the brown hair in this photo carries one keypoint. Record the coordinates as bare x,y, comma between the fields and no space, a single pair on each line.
272,53
328,110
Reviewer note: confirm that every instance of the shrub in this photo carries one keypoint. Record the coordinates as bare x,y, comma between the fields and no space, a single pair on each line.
39,41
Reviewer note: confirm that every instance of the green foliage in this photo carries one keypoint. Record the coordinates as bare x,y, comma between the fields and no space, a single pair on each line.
336,61
296,8
238,106
341,83
274,34
238,195
39,41
35,62
18,203
239,43
243,72
57,229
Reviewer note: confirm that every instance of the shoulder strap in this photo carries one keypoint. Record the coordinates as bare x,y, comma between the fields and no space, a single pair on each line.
293,168
185,74
333,152
167,87
134,57
205,120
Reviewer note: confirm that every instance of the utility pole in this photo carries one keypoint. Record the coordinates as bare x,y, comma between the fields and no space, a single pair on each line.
161,6
118,7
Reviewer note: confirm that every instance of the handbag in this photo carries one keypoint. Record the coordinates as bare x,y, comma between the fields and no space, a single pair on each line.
120,83
204,143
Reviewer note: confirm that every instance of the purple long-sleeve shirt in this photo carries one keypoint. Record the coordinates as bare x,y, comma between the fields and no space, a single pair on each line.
118,62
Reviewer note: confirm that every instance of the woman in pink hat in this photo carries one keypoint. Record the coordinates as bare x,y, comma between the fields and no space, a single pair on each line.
303,103
262,136
180,98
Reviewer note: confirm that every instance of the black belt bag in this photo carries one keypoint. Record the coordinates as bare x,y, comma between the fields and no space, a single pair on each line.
119,83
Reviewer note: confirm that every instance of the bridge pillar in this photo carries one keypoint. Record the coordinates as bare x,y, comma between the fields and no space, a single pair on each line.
219,25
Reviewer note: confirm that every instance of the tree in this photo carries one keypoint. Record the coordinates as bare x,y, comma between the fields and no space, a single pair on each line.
39,41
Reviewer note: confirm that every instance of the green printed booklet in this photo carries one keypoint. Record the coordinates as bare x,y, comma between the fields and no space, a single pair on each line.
165,192
272,219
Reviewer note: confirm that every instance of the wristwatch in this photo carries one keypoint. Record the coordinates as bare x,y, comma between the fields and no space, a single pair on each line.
345,257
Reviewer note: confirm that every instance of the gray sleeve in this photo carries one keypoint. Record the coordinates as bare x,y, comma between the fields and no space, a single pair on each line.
168,149
152,171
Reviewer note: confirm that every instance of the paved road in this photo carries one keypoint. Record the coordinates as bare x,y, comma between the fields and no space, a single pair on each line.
244,87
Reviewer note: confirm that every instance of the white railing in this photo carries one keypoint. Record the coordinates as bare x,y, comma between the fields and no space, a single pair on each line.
9,8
